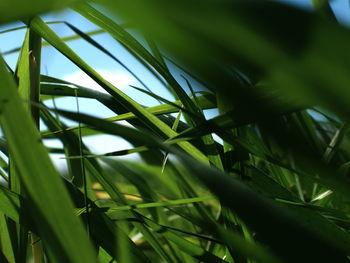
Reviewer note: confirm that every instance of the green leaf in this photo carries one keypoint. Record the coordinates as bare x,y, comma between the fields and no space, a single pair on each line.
27,74
60,229
25,9
149,119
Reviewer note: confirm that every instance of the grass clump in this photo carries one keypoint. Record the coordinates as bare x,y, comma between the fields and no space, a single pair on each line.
264,180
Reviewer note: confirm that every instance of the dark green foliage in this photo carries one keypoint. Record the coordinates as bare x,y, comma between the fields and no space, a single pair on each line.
267,180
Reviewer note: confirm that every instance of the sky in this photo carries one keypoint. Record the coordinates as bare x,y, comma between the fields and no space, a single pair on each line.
55,64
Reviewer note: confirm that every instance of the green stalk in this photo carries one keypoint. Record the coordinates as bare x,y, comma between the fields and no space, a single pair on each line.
34,68
28,74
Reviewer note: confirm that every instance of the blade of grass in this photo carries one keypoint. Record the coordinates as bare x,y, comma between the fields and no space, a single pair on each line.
205,102
149,119
24,9
101,48
27,73
110,187
6,240
41,179
187,246
272,215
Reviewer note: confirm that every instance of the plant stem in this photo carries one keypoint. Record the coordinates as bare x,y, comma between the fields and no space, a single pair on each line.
36,248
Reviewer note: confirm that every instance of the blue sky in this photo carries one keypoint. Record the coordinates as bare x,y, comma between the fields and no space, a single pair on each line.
340,8
55,64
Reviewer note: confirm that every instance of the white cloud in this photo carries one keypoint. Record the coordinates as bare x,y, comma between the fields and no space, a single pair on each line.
117,78
102,143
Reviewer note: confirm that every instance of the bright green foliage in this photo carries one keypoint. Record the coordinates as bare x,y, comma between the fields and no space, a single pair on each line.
267,180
